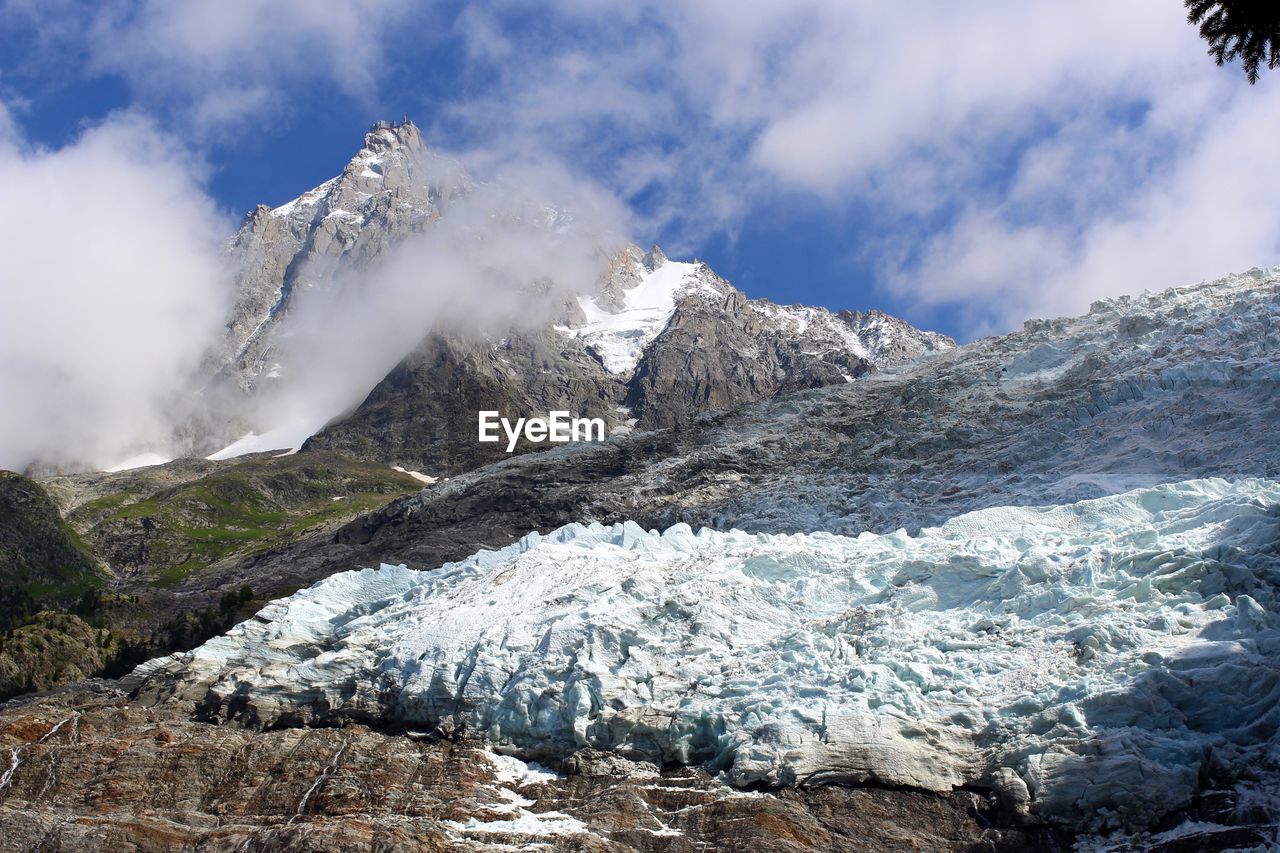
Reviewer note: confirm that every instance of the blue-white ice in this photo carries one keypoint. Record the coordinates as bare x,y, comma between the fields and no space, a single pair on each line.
1093,662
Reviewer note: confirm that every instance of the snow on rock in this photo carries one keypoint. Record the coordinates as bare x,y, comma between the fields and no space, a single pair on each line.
1092,662
518,820
525,823
141,460
513,771
417,475
618,338
289,437
879,338
305,203
641,297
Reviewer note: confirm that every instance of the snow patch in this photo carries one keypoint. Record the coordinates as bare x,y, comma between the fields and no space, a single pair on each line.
526,823
289,437
141,460
512,770
619,338
417,475
306,201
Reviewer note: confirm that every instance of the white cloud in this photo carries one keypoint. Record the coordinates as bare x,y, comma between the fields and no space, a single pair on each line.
472,271
1016,158
1019,158
1105,211
229,63
113,285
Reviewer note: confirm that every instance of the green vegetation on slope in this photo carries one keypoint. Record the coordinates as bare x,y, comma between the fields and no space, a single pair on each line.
43,562
62,618
51,649
243,509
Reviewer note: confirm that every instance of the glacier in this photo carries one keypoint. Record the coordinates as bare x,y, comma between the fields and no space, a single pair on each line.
1093,663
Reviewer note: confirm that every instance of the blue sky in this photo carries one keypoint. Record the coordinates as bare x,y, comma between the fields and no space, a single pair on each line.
963,168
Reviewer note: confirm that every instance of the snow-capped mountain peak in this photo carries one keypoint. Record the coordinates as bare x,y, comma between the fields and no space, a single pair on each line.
642,293
392,187
611,344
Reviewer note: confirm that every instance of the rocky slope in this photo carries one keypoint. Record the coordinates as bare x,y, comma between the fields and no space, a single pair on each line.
43,561
423,415
50,649
161,524
90,770
91,561
1170,386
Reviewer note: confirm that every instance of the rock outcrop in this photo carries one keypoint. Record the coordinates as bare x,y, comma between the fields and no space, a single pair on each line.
48,650
721,350
89,770
393,187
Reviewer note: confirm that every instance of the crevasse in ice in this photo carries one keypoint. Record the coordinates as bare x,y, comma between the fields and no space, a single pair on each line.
1095,659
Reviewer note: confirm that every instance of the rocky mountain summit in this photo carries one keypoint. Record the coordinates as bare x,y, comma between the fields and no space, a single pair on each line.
651,343
394,186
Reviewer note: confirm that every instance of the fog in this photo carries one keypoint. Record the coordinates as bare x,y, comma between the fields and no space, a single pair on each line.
112,286
117,287
505,255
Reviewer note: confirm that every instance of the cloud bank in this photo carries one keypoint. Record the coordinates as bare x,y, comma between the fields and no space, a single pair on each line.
113,286
993,161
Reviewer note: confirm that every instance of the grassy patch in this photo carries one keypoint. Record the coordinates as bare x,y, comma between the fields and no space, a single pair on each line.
43,561
240,510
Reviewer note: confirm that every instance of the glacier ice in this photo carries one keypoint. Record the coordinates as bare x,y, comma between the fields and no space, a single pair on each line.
1093,662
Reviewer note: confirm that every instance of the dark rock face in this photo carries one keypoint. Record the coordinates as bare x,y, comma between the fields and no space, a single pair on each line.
42,561
93,771
718,350
423,415
724,354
